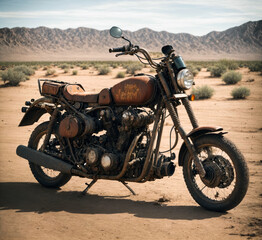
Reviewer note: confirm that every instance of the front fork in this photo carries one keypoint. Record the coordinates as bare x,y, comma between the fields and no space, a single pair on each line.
166,93
190,146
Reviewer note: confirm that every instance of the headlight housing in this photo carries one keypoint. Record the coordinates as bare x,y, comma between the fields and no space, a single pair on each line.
185,79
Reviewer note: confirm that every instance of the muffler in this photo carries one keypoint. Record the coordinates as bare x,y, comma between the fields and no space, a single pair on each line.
43,159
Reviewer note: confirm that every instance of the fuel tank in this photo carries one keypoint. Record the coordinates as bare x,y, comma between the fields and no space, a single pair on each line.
135,91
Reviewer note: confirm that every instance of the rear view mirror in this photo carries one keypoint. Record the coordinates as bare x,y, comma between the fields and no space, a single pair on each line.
116,32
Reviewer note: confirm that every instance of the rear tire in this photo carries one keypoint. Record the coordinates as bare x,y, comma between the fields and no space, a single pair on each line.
46,177
227,181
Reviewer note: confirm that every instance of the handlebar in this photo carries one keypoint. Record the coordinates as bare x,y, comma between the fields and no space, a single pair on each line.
119,49
133,50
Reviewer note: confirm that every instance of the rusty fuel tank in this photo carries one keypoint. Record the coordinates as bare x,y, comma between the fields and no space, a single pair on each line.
136,91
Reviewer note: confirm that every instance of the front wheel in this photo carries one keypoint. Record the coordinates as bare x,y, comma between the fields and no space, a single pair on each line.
46,177
226,180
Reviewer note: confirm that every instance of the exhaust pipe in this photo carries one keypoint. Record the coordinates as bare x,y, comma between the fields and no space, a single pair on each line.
43,159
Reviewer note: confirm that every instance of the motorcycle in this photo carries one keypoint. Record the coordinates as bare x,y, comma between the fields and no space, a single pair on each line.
116,134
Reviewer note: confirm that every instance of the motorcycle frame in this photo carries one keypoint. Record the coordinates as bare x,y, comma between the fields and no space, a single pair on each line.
169,101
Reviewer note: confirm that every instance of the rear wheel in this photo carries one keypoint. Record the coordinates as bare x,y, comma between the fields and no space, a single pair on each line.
46,177
226,180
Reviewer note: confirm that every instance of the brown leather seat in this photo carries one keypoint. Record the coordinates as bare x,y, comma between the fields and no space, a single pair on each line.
76,93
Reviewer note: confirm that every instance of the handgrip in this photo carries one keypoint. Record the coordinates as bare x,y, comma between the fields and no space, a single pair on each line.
119,49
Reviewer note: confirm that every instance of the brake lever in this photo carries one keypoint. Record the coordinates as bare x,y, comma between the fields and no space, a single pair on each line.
119,54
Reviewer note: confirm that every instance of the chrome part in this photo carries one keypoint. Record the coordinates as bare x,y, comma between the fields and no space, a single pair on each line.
116,32
109,161
92,156
185,79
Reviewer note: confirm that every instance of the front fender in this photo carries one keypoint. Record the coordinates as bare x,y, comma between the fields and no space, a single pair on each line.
35,111
195,133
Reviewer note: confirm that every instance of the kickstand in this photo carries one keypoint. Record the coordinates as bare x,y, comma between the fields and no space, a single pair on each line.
89,186
129,188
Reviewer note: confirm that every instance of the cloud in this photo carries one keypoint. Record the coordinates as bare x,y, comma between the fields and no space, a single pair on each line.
196,17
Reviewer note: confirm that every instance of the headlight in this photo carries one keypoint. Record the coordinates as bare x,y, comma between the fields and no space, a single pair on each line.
185,79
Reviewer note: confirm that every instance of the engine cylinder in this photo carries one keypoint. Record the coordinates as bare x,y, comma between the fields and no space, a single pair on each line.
73,126
70,127
109,161
92,156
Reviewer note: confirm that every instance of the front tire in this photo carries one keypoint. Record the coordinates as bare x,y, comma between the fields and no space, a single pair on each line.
46,177
226,180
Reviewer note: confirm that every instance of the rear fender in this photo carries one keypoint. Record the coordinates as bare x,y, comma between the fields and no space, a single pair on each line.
36,110
195,133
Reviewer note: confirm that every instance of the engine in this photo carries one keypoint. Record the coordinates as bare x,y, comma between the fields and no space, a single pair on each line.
100,140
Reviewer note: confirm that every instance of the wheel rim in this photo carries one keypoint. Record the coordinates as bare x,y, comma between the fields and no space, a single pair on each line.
49,173
220,181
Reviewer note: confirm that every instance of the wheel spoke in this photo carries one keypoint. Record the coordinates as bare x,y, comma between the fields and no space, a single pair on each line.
222,163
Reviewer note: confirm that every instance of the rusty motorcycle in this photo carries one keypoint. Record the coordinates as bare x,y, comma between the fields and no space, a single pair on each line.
116,134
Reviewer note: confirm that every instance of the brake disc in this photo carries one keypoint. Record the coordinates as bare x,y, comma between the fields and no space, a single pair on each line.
213,175
227,171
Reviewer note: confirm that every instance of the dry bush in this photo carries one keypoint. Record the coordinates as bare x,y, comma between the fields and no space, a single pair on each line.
12,77
133,67
203,92
218,70
240,93
120,75
24,69
103,70
231,77
50,72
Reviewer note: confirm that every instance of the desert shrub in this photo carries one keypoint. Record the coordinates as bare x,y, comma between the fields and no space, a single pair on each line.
133,67
229,64
193,69
198,68
66,70
217,70
45,68
103,70
232,77
240,93
84,66
50,72
64,66
114,65
12,77
120,75
203,92
35,67
255,67
24,69
74,72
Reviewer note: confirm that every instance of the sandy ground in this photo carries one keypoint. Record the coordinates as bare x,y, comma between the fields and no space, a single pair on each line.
29,211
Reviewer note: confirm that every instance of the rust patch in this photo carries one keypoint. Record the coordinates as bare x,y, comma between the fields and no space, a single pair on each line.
69,127
134,91
50,88
104,97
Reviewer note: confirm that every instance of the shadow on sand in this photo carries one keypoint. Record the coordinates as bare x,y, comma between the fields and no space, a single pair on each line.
31,197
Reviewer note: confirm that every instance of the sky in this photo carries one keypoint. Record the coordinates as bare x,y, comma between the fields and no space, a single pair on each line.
197,17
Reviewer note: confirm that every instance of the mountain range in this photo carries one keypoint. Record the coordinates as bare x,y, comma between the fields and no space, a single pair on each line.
42,43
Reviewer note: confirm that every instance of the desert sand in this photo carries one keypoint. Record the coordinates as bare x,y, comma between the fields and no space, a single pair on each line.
109,211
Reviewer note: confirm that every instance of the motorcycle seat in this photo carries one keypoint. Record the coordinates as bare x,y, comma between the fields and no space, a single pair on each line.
76,93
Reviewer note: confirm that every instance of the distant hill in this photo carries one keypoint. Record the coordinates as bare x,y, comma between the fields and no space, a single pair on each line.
42,43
